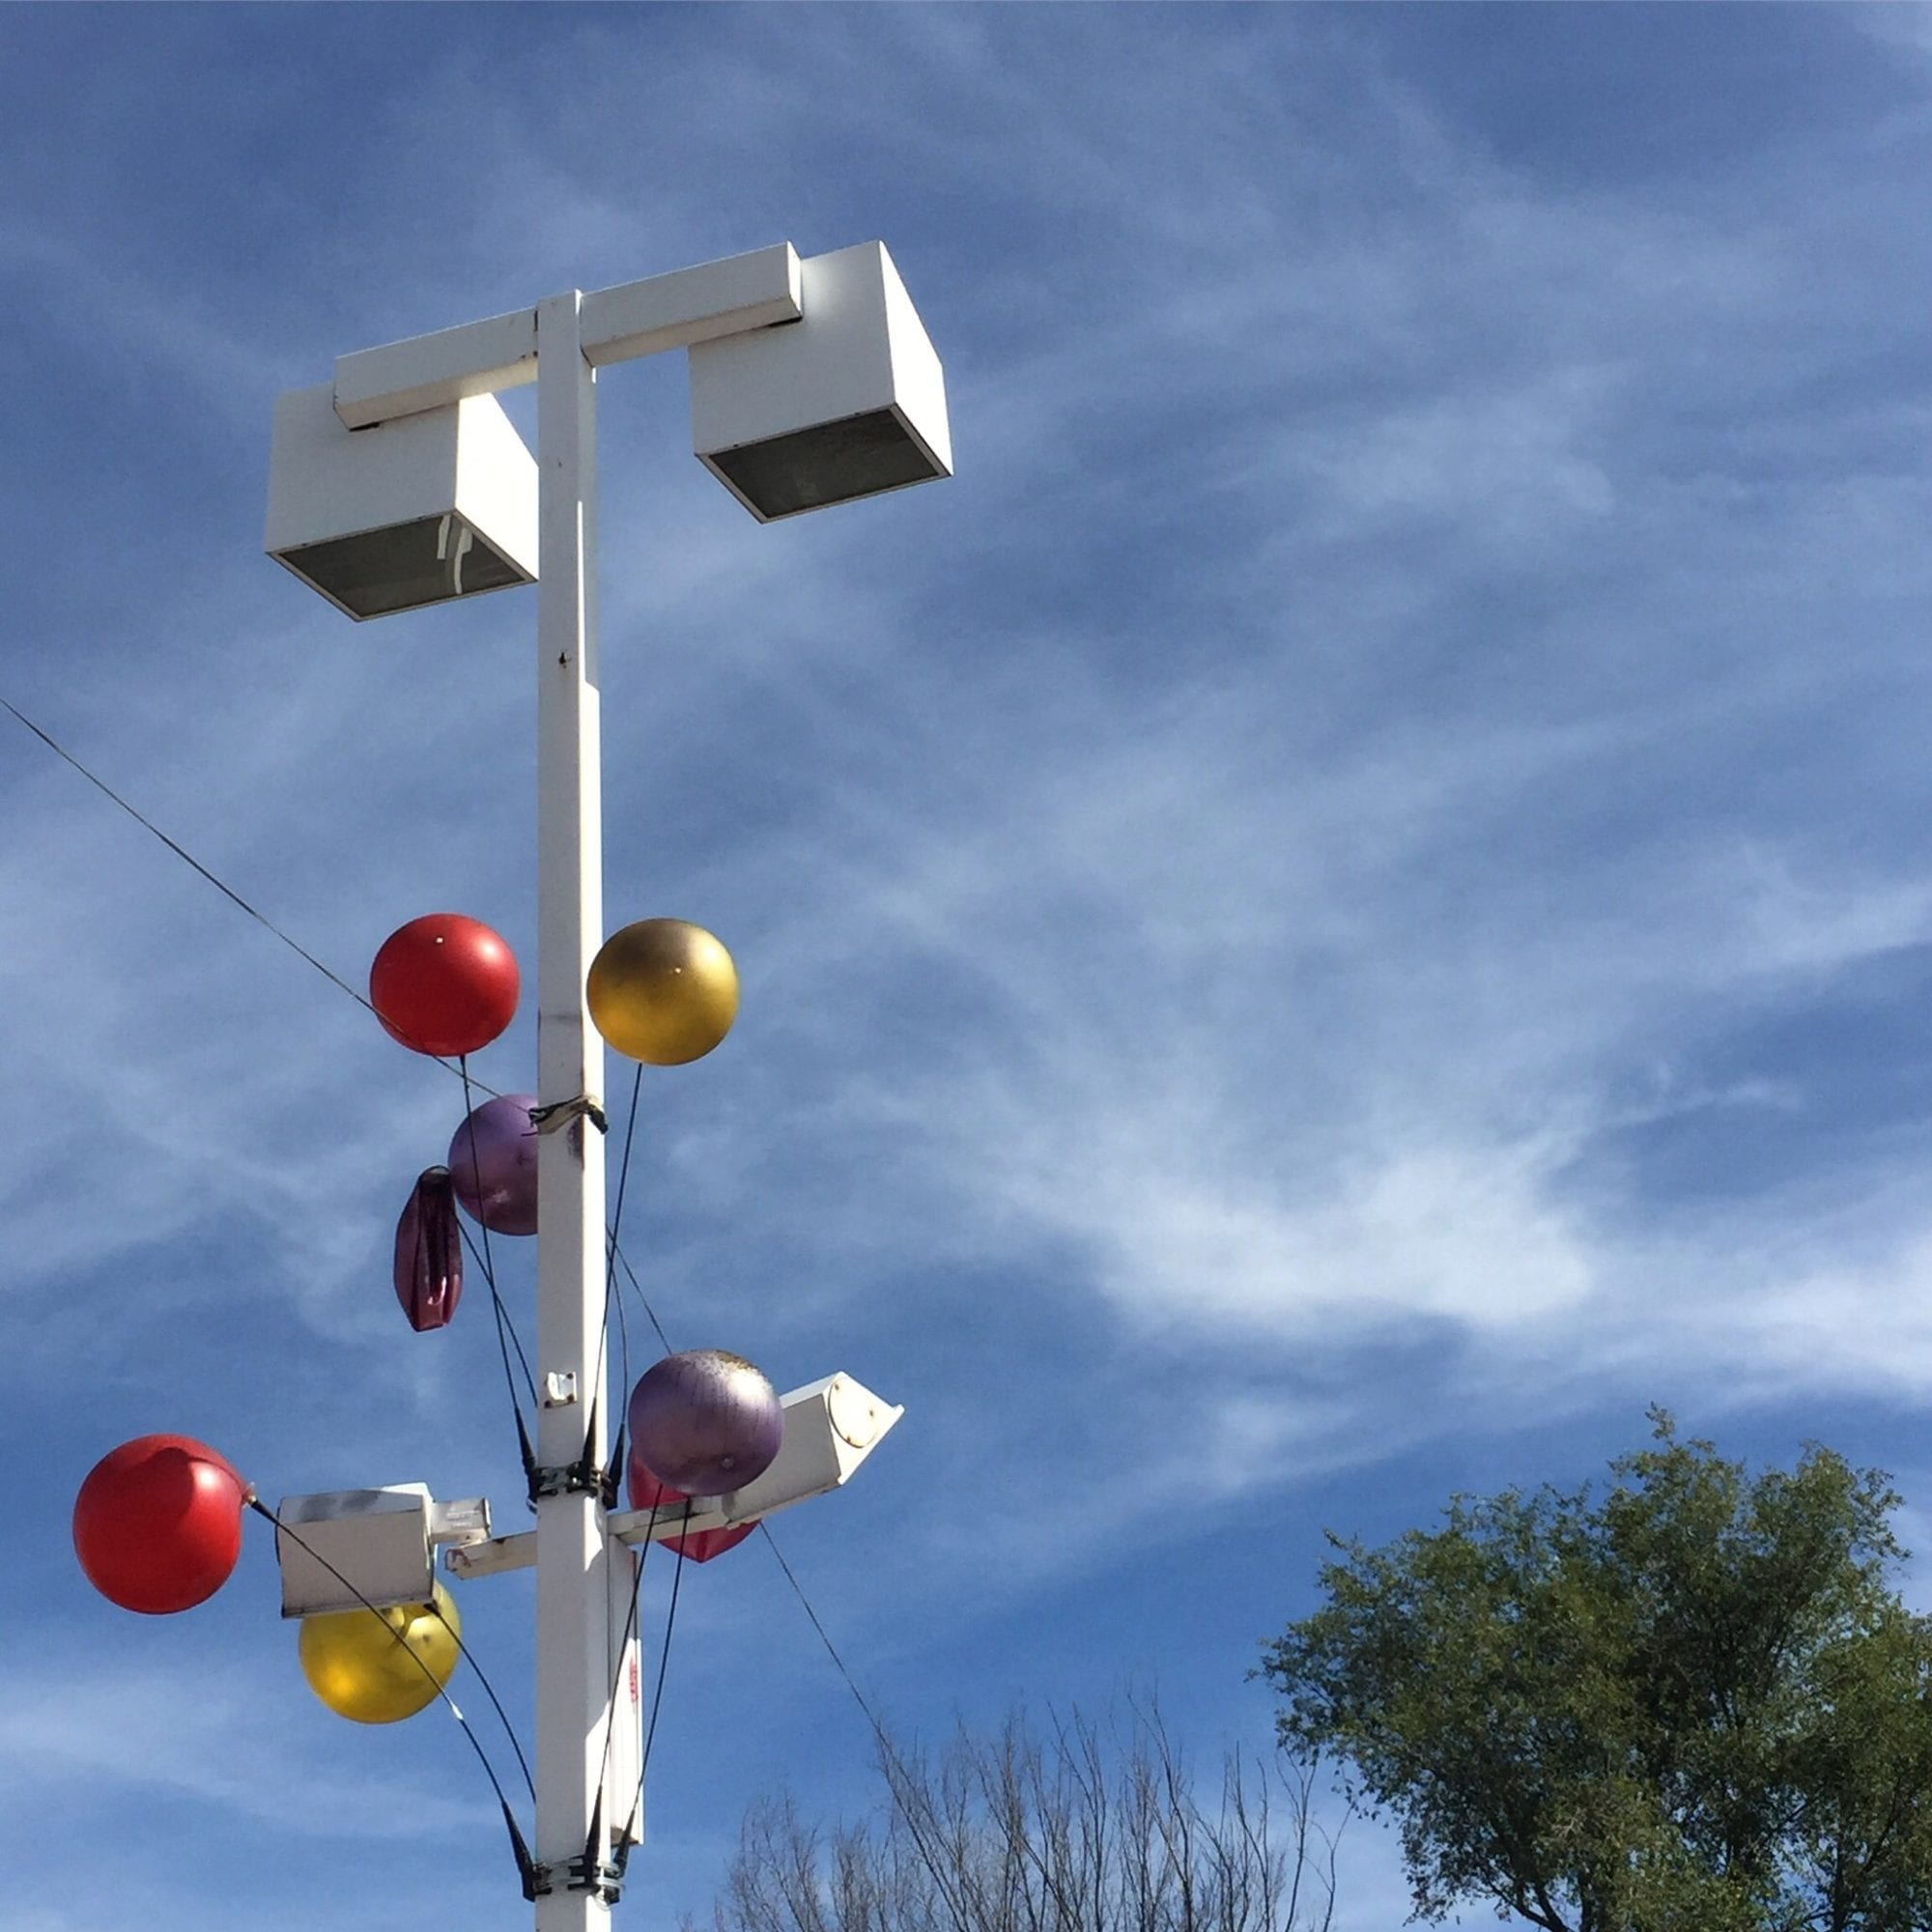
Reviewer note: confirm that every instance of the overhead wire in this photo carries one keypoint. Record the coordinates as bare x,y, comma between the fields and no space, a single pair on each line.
644,1300
891,1760
189,859
471,1085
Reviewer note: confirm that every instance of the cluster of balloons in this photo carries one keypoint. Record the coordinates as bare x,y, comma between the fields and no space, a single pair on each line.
660,991
663,992
157,1521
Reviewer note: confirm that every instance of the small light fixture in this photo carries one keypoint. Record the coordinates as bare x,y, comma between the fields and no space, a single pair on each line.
368,1546
418,510
846,402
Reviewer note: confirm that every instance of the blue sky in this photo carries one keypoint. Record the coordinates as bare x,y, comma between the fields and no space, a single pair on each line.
1343,909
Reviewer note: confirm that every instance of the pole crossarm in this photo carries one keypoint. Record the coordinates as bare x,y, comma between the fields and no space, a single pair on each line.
430,372
701,304
617,325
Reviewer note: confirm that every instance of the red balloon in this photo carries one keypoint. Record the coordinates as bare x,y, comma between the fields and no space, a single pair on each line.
701,1545
444,985
158,1523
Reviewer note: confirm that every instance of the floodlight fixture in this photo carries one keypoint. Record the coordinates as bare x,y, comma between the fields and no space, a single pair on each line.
413,511
849,400
370,1547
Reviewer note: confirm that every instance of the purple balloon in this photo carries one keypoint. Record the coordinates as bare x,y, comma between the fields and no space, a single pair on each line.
493,1161
428,1252
705,1422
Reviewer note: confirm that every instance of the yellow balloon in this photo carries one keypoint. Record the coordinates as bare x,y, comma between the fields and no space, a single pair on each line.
663,991
381,1666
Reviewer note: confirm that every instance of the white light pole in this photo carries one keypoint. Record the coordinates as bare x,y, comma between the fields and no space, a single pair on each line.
402,484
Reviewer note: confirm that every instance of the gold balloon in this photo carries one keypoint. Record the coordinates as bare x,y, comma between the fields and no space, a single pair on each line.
381,1666
663,991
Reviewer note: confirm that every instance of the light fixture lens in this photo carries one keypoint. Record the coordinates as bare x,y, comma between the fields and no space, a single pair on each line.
404,566
828,463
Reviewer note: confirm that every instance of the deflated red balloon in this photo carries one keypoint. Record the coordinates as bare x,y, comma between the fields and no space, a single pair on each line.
444,985
701,1545
428,1252
158,1523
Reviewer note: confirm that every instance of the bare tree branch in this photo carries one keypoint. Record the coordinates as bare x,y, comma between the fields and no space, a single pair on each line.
1076,1830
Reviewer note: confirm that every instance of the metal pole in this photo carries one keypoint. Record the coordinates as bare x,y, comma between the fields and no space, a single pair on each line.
573,1647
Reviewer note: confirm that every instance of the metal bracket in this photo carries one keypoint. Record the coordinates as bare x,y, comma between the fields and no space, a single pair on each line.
602,1878
571,1480
583,1477
560,1112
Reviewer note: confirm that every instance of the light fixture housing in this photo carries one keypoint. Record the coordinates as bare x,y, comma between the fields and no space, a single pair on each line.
418,510
848,401
346,1548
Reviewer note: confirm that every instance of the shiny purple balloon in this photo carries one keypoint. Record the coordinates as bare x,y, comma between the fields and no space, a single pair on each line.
428,1252
493,1160
705,1422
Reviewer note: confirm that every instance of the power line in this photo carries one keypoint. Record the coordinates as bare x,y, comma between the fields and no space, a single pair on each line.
220,885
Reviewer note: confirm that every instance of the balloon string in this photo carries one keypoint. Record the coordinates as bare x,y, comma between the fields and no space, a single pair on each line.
502,1314
490,1691
504,1321
227,891
657,1690
623,1349
302,1542
623,1643
610,1245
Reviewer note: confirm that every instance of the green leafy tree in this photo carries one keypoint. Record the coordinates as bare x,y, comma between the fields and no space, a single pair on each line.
1694,1704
